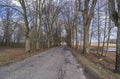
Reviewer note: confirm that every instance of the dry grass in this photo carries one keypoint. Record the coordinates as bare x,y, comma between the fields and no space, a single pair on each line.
10,55
101,44
95,44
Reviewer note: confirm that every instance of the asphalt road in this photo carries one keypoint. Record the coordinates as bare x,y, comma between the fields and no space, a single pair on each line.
55,63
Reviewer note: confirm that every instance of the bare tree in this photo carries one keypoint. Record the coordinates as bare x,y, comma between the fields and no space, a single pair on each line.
105,30
109,33
98,48
87,13
7,22
115,14
27,35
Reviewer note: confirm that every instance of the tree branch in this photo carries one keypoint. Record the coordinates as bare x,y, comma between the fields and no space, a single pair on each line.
113,12
12,8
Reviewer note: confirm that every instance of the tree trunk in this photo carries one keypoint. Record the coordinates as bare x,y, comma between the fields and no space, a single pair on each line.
109,31
27,36
76,46
118,41
115,16
98,48
27,44
102,54
76,29
37,26
37,45
92,32
48,43
86,40
117,67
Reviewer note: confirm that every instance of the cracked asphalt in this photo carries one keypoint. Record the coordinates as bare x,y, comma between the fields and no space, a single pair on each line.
55,63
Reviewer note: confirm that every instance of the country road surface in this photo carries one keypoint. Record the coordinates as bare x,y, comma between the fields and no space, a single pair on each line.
55,63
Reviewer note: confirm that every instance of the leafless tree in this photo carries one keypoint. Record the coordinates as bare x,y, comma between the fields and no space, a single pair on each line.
27,35
115,14
87,13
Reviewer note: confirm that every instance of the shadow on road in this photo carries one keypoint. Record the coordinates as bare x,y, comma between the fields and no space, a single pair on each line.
65,47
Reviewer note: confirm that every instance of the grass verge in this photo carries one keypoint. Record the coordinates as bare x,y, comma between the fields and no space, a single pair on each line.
96,70
11,55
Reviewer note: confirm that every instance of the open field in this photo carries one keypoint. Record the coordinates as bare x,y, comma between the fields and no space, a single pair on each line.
101,44
96,44
10,55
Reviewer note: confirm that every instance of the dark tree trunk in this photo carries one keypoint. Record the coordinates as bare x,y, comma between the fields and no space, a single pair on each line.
115,16
117,67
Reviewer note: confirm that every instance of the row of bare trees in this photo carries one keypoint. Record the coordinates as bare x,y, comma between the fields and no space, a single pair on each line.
36,20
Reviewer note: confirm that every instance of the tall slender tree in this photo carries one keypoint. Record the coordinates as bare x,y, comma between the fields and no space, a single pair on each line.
27,35
98,48
115,16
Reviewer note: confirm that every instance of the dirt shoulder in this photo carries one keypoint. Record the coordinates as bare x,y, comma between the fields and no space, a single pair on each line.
92,69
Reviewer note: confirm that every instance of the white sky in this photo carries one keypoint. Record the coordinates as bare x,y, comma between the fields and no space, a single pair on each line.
16,2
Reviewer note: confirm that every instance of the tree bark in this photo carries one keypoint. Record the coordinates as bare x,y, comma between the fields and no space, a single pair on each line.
86,40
